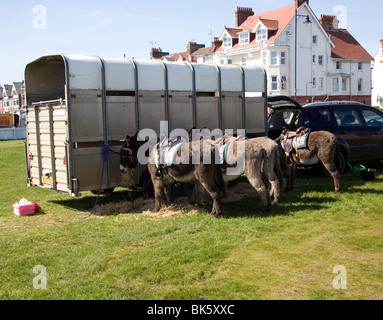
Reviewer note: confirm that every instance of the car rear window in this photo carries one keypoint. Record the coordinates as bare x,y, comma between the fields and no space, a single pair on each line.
316,118
346,117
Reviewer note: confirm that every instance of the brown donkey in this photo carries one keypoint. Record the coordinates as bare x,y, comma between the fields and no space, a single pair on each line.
188,166
321,146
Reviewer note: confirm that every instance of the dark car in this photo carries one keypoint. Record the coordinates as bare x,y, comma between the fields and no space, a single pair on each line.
359,127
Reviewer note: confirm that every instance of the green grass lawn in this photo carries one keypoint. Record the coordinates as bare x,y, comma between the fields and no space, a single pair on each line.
288,253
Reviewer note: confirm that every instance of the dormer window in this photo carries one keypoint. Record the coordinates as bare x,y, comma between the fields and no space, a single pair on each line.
227,42
261,35
244,38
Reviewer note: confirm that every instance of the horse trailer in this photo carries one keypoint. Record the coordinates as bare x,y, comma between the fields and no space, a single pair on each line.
77,105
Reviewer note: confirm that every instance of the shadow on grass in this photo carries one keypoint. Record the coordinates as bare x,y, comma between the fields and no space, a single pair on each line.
290,202
87,202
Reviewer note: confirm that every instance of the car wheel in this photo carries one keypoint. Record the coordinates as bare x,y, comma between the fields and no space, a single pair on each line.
340,163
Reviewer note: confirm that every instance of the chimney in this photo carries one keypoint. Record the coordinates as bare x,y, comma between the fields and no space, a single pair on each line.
194,46
242,14
216,43
157,53
329,22
298,3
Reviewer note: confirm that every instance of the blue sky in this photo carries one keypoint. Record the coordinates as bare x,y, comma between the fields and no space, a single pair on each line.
116,27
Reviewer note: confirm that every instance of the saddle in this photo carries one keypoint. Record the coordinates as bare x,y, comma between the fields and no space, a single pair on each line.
164,154
292,141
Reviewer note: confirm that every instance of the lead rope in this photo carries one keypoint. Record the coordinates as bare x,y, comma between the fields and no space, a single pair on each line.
107,158
105,154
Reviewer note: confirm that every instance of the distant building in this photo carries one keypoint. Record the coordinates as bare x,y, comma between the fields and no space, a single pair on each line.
12,97
331,64
377,78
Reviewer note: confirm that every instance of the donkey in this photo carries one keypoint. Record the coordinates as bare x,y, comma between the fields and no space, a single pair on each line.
249,157
321,146
188,167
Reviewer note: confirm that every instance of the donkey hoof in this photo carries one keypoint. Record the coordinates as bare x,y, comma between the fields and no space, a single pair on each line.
215,214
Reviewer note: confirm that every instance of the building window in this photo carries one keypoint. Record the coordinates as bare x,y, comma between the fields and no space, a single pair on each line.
335,84
344,83
261,35
314,58
321,83
264,58
315,39
338,65
274,58
360,66
283,57
314,82
284,83
222,61
320,60
244,60
227,42
274,83
244,38
229,61
360,84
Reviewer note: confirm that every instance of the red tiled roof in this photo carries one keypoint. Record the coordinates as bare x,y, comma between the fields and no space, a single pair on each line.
278,18
270,24
346,47
233,32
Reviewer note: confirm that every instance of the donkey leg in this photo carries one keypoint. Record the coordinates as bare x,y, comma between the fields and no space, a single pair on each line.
198,194
331,167
207,179
254,175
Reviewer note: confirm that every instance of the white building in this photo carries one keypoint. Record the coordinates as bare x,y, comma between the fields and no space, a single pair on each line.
377,78
331,64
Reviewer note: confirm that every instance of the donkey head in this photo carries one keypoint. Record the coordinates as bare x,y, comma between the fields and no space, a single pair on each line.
128,154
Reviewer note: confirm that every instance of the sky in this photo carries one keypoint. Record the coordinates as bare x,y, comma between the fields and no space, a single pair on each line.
114,28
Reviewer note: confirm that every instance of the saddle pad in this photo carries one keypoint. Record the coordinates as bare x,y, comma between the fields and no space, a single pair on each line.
301,142
166,155
222,152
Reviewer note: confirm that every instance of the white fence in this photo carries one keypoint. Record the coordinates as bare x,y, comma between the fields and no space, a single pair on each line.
13,133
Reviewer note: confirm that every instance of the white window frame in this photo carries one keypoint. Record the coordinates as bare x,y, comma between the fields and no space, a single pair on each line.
265,57
335,84
274,83
274,58
284,83
283,57
321,83
344,84
360,84
244,61
261,35
320,60
244,38
227,42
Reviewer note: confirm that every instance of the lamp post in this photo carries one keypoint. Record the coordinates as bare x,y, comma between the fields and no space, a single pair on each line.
308,21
